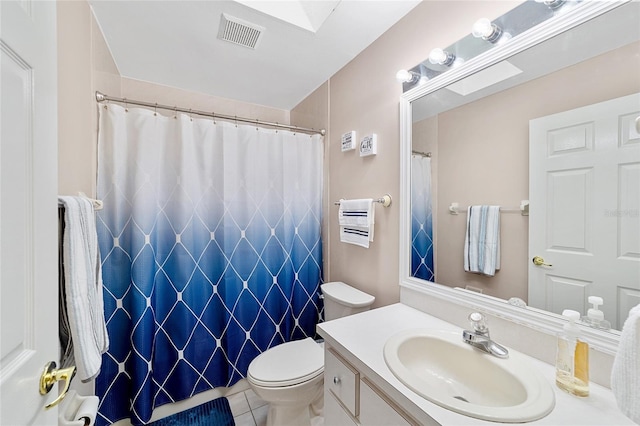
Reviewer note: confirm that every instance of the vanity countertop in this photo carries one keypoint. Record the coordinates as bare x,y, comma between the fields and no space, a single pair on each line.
362,338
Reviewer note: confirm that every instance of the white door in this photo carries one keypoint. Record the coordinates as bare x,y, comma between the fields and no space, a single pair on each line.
584,218
28,209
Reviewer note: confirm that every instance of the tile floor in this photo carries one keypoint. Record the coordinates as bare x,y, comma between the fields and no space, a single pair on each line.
248,409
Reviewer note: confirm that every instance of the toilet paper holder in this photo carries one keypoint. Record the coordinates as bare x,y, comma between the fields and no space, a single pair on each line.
77,410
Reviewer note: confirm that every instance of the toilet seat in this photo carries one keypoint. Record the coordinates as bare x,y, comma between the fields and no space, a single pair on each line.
287,364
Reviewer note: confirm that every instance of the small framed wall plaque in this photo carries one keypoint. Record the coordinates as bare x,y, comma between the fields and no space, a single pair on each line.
349,141
369,145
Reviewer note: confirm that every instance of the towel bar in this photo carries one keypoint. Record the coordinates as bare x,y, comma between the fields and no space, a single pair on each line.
455,209
385,200
97,204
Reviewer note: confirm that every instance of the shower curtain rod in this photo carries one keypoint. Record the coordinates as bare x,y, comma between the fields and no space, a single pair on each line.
101,97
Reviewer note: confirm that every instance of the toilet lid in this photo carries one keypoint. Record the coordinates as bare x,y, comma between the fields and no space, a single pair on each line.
346,295
287,364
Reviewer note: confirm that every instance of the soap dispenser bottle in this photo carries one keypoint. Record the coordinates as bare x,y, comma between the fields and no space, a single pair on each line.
572,361
595,317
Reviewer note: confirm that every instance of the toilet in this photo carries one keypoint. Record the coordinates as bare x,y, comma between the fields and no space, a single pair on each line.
290,376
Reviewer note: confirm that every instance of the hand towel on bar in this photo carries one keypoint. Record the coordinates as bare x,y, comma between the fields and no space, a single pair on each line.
482,240
625,373
356,219
358,235
83,286
359,212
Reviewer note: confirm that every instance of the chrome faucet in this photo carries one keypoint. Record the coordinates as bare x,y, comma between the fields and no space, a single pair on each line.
480,339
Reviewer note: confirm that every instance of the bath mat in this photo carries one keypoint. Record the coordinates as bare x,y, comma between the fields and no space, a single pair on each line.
211,413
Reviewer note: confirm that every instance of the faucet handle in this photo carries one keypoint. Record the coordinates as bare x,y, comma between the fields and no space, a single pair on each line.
478,323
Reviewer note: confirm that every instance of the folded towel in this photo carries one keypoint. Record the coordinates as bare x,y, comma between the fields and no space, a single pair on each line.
356,212
357,235
83,286
356,219
482,240
625,373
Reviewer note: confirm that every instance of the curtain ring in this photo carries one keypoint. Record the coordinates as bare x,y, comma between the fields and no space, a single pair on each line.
277,126
175,112
235,119
213,115
190,117
155,110
126,108
257,125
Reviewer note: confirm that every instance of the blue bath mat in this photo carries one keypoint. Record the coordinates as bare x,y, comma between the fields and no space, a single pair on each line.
212,413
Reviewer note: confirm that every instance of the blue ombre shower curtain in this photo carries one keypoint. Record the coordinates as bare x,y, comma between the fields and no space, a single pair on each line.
211,250
421,219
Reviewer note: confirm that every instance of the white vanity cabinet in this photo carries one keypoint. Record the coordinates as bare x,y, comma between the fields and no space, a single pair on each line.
365,392
350,398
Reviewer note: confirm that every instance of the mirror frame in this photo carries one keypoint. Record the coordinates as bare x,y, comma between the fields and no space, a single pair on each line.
544,321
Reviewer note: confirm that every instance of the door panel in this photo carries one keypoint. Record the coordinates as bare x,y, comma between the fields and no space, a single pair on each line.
28,209
585,208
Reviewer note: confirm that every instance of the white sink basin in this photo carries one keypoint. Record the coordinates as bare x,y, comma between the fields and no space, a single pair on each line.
440,367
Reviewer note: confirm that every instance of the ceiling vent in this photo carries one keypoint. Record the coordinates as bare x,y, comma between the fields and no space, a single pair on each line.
240,32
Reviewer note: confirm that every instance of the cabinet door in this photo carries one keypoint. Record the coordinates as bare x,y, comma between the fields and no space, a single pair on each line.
334,413
377,410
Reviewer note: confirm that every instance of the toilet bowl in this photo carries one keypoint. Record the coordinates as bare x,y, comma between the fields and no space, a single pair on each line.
290,376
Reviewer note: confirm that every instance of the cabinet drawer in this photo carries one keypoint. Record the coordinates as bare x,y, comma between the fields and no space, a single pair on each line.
342,380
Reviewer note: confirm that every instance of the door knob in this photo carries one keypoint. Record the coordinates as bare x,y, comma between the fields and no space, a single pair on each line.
538,261
51,375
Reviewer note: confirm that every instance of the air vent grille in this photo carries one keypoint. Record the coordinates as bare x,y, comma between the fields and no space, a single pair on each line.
240,32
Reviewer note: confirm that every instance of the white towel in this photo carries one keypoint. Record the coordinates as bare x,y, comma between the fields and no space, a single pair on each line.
356,212
83,286
625,373
356,219
482,240
357,235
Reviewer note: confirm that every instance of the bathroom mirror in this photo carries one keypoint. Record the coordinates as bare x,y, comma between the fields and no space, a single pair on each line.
478,138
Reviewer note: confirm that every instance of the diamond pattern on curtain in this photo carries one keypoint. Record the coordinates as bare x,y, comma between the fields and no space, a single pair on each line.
421,219
211,249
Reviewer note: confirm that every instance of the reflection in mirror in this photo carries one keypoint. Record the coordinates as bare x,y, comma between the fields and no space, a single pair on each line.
550,104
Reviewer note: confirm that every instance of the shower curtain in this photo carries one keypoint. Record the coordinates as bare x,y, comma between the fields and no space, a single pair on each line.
211,251
421,219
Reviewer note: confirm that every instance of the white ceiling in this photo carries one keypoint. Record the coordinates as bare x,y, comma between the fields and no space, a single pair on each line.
175,43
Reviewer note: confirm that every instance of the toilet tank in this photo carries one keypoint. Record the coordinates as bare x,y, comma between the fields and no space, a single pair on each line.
341,300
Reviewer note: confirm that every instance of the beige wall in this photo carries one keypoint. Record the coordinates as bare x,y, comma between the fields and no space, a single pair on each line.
483,157
363,96
84,64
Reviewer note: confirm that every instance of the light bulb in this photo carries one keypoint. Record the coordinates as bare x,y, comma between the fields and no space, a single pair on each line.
552,4
437,56
403,76
441,57
483,28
